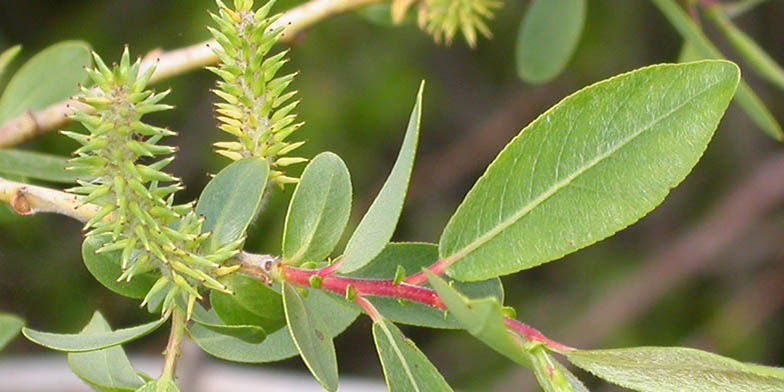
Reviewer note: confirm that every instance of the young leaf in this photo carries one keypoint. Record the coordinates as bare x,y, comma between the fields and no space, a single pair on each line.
379,223
592,165
159,386
247,333
106,268
309,333
278,345
413,257
35,165
96,341
405,367
548,36
659,369
483,319
107,369
49,77
7,56
10,326
549,373
746,98
319,210
253,303
230,201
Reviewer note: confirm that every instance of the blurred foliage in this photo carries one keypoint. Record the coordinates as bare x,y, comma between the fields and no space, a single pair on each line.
356,79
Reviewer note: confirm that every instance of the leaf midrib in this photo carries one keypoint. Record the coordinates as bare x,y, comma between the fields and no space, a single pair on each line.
466,250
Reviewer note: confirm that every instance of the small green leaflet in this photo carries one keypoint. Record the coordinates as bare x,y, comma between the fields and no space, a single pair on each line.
106,268
95,341
10,326
549,373
548,36
107,370
253,303
483,319
405,367
309,333
319,210
595,163
231,199
379,223
159,386
35,165
247,333
7,57
660,369
49,77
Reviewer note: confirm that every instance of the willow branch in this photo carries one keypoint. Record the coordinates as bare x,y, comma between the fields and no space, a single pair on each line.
27,199
32,124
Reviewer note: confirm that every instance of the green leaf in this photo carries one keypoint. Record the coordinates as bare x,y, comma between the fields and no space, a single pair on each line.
574,382
36,165
91,342
309,333
549,373
159,386
253,303
548,36
7,56
592,165
379,223
482,318
659,369
413,257
746,98
405,367
319,210
106,268
246,333
278,345
10,326
105,370
230,201
49,77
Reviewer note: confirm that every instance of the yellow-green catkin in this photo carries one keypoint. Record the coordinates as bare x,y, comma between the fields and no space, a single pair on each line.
121,170
443,18
256,108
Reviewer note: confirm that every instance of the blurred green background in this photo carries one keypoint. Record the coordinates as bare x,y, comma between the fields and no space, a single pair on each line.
703,270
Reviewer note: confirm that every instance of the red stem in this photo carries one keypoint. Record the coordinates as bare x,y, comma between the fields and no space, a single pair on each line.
438,268
532,334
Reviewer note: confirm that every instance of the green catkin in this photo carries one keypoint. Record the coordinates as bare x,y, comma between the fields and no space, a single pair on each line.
256,110
443,18
137,216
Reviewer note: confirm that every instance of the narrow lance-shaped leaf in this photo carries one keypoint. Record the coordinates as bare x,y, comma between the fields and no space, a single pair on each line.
96,341
247,333
35,165
253,303
309,333
108,369
49,77
592,165
230,201
7,56
10,326
549,373
319,210
548,35
483,319
405,367
745,97
379,223
660,369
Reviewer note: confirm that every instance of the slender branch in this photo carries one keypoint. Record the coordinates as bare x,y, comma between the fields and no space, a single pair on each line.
27,199
32,124
173,347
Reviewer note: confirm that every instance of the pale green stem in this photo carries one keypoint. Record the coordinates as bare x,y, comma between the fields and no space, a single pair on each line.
175,343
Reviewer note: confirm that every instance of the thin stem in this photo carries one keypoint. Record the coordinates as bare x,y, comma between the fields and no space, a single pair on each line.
27,199
438,268
32,124
173,347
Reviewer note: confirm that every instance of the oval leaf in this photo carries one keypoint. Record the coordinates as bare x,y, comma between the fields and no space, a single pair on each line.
319,210
7,56
10,326
106,268
246,333
548,36
230,201
95,341
35,165
49,77
309,333
105,370
253,303
659,369
413,257
592,165
405,367
379,223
